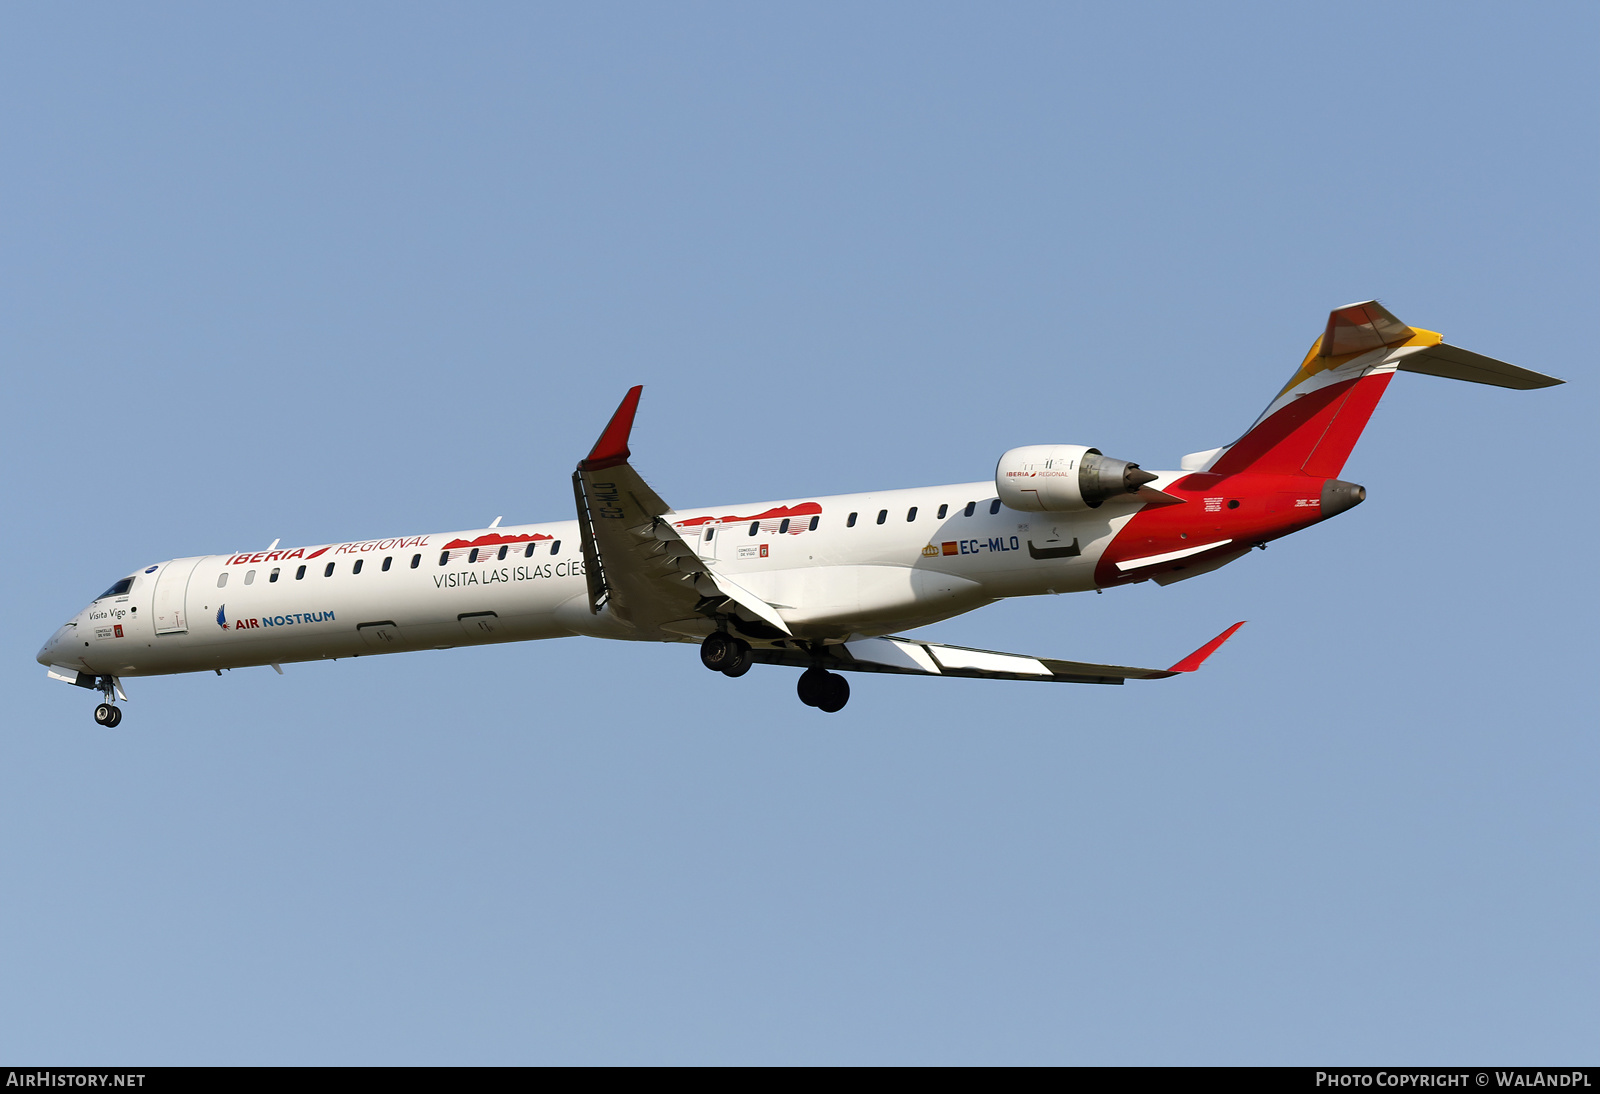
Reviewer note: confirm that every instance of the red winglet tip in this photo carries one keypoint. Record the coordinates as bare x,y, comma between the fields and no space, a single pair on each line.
612,447
1197,658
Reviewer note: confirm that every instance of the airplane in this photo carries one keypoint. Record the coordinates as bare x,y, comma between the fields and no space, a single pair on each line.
822,584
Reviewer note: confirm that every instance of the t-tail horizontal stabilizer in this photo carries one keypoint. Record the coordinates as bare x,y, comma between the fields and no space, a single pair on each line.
906,656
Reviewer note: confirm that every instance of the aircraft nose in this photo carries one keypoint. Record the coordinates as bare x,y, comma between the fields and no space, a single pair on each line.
45,656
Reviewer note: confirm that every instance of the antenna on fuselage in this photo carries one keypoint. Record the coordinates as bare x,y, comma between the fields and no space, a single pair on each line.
273,546
496,522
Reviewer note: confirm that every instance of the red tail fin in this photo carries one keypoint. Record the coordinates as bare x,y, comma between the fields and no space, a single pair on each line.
1311,435
1316,419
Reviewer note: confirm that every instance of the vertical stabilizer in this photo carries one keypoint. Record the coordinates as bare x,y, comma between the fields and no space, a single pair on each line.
1312,424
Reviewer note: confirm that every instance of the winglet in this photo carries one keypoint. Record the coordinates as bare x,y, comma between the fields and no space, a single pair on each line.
612,447
1195,659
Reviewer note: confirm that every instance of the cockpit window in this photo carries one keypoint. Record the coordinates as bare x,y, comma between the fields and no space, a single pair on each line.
119,589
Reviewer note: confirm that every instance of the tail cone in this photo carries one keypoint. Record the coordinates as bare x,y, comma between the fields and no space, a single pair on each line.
1337,496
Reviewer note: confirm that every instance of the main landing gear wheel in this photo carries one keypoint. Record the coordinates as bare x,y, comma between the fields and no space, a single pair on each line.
107,715
827,691
726,654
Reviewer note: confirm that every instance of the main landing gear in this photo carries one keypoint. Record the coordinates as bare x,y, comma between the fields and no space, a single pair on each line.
724,653
107,715
827,691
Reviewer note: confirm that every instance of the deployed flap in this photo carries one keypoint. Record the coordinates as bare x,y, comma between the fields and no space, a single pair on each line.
1357,328
688,561
906,656
1455,363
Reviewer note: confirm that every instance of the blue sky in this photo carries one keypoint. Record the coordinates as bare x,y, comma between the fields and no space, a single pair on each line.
326,273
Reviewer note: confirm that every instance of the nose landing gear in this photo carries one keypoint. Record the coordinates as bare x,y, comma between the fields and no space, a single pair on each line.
827,691
108,714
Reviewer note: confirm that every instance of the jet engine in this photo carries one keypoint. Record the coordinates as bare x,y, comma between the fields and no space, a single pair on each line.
1063,478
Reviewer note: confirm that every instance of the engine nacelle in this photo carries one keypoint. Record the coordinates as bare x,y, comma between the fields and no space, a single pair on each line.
1063,478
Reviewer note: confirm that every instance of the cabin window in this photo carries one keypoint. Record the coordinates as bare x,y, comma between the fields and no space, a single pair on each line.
883,515
970,509
388,560
222,579
121,588
356,569
755,526
711,530
503,551
250,578
994,507
327,571
416,560
851,523
911,514
555,545
527,552
943,509
273,576
472,555
783,529
444,556
814,521
300,573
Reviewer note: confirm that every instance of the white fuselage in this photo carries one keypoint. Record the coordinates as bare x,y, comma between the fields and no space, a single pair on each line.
515,583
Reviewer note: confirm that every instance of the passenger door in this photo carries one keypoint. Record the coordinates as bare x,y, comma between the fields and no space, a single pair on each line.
172,587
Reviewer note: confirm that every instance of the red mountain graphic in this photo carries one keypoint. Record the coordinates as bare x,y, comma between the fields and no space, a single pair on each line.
493,539
804,509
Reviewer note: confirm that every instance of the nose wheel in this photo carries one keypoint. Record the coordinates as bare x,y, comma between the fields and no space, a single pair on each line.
827,691
107,715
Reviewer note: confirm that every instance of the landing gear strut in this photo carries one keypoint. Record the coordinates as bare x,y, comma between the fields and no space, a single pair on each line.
827,691
724,653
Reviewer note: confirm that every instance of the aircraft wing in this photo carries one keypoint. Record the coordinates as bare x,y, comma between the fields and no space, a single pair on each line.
638,567
910,657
